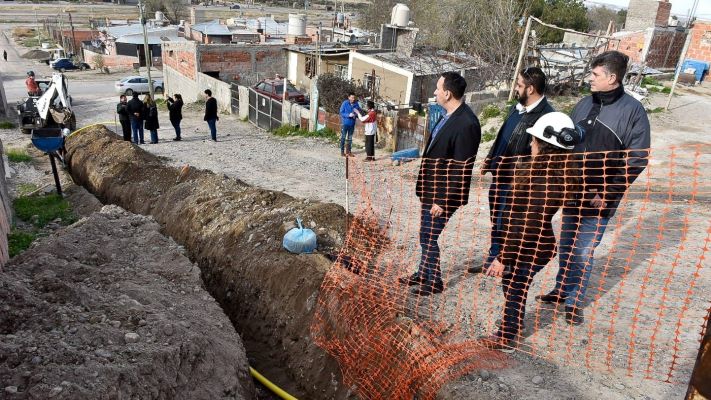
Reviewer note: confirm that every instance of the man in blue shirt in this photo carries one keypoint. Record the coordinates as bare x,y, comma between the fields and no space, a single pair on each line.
511,143
348,120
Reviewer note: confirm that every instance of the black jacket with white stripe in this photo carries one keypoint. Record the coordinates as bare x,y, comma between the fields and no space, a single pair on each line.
615,147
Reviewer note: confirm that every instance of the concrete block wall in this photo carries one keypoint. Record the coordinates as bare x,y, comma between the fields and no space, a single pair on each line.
175,82
641,14
221,91
700,45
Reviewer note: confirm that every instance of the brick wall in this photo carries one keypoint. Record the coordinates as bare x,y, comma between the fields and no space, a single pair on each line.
245,64
641,14
632,45
181,57
665,48
700,45
663,13
109,60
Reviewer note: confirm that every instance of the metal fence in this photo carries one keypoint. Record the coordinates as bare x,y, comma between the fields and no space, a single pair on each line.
264,112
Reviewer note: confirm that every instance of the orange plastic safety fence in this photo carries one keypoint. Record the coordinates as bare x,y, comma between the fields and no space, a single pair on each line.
647,290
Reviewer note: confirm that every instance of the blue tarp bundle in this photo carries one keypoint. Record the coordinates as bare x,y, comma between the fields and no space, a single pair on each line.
300,240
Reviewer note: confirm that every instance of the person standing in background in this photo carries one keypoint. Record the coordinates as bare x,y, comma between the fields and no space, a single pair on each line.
175,113
151,118
124,119
136,114
211,114
348,120
370,119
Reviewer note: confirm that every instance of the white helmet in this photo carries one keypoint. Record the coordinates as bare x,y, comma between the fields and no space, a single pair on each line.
557,129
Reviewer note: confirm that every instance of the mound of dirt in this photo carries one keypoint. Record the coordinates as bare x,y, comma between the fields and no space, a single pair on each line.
233,232
110,308
36,55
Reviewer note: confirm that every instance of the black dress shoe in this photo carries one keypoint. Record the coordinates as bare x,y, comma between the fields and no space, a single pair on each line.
411,280
551,298
428,288
574,315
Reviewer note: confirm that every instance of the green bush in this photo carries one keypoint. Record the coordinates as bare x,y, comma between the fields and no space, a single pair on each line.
40,210
288,130
18,241
18,155
648,80
489,135
7,125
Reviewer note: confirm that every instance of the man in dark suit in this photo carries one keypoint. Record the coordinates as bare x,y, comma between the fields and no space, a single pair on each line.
444,178
211,114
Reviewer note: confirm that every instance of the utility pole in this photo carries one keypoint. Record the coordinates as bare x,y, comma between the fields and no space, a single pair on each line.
74,41
146,48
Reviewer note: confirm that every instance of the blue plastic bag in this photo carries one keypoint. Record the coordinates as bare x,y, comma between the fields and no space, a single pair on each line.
300,240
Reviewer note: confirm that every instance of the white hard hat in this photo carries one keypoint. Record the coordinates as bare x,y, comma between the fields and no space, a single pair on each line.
557,129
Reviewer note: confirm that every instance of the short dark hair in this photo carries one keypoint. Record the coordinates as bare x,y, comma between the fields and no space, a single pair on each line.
123,96
178,96
534,77
208,92
135,95
370,104
455,83
351,94
614,62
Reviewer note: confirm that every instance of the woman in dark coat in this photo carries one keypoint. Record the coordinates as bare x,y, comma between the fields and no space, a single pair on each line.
175,113
151,118
542,182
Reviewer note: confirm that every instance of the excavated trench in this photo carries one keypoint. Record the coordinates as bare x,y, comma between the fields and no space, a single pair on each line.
233,232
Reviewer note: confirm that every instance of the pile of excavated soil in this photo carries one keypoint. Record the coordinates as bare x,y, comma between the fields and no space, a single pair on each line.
36,55
234,233
110,308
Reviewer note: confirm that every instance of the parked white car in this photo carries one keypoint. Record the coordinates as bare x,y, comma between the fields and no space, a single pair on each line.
137,84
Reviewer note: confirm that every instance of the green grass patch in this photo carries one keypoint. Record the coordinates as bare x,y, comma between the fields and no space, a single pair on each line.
490,111
648,80
23,189
489,135
18,155
287,131
655,110
40,210
7,125
18,241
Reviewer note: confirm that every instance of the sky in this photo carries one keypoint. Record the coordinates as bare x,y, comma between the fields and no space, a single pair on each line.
679,7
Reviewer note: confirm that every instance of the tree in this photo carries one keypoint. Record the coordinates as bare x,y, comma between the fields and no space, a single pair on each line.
174,10
332,90
570,14
599,18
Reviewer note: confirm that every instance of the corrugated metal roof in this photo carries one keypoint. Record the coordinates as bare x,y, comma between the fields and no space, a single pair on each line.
154,36
212,28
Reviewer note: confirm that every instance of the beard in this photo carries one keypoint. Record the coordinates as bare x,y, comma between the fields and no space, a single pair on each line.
523,98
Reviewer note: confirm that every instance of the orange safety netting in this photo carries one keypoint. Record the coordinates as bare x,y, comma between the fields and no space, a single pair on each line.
647,295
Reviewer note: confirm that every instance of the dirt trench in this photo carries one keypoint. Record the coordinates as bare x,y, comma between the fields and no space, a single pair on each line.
233,232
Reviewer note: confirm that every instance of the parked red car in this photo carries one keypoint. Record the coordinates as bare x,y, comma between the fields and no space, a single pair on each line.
274,88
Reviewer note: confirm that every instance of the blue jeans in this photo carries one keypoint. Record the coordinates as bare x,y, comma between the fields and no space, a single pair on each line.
176,126
430,229
137,129
579,237
154,135
498,202
212,123
346,138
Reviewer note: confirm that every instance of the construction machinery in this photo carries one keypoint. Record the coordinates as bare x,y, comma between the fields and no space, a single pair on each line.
52,108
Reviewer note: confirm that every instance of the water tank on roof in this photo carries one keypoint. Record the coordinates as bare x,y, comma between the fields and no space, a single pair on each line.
340,18
159,16
400,15
297,24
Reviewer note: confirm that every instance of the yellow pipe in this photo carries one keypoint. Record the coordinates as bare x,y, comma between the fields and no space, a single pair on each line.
274,388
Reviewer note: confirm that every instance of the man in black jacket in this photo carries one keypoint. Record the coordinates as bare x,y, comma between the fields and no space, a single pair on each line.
444,177
211,114
136,113
122,111
511,143
615,150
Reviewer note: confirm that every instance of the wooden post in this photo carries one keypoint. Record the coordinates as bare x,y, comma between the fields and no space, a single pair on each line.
521,54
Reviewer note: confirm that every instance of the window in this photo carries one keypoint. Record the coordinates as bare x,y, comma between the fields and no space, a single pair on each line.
372,83
144,80
261,86
341,71
136,80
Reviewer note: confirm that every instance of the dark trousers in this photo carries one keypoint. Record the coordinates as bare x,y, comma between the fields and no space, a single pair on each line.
212,123
126,129
370,145
499,193
176,125
430,229
154,135
515,286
